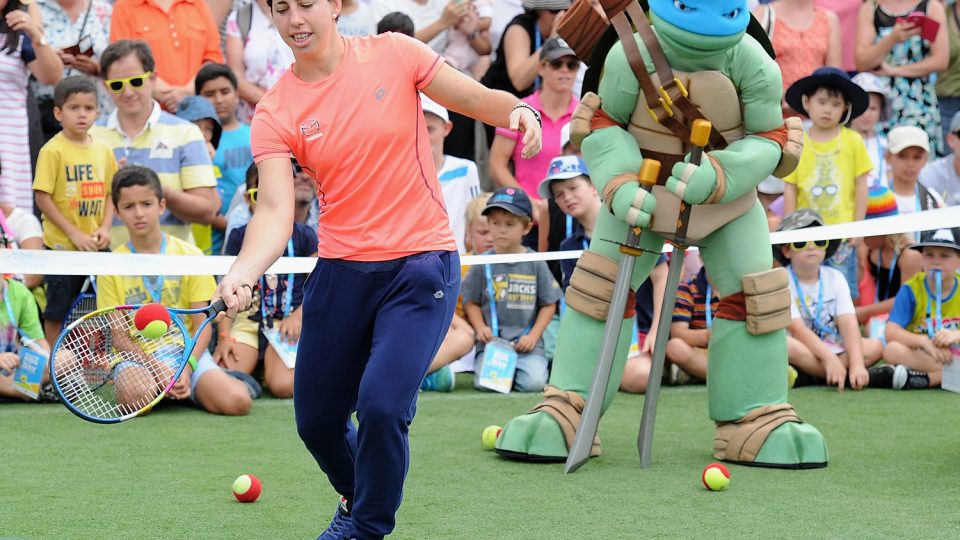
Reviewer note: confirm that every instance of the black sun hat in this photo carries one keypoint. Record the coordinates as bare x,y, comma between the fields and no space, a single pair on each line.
947,238
833,78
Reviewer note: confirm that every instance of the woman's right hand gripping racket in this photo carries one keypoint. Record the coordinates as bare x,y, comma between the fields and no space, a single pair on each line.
110,366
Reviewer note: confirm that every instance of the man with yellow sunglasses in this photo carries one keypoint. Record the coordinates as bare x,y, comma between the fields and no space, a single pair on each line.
140,133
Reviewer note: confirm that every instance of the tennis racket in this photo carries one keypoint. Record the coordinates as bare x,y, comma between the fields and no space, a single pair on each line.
106,372
84,303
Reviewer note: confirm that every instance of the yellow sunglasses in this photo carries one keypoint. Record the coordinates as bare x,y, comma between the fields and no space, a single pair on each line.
117,85
800,246
252,193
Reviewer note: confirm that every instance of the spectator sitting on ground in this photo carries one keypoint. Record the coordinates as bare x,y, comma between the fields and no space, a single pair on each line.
824,341
140,133
181,35
887,265
218,84
72,188
942,176
27,325
277,304
922,332
138,196
690,330
524,293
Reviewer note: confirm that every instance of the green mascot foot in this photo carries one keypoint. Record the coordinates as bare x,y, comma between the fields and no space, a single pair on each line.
793,446
532,437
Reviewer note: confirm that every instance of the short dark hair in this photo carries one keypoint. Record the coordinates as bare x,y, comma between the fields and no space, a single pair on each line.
253,176
120,49
135,175
77,84
211,71
396,22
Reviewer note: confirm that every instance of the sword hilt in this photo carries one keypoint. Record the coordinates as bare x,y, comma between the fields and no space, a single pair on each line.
699,136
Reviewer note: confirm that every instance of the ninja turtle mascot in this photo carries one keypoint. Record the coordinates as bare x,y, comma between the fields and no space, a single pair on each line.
697,61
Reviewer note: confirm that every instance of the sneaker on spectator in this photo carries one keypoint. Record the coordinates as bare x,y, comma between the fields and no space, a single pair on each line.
341,528
253,387
441,380
915,380
48,394
888,377
791,376
678,376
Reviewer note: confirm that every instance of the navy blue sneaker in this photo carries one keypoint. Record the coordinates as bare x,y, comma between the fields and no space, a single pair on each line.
341,528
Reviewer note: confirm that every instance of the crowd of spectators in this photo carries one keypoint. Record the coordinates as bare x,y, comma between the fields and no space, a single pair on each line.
163,92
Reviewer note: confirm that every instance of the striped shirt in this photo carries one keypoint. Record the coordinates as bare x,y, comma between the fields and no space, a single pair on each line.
691,306
173,148
16,173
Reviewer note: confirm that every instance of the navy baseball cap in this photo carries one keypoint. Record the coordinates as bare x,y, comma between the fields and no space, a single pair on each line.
511,199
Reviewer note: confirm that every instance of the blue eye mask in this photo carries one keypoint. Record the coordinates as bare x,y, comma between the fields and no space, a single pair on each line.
705,17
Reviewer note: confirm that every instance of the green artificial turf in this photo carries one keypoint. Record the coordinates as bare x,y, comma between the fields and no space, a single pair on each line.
894,472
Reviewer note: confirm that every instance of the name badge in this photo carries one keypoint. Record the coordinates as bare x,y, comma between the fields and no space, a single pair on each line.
498,366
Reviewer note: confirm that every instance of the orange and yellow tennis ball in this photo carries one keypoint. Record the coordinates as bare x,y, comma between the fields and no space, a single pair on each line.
152,321
715,477
247,488
489,436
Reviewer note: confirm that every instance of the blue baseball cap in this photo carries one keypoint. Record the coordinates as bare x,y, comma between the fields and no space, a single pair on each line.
561,168
511,199
193,108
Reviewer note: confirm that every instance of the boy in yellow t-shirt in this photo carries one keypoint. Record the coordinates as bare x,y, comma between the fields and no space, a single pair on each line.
72,188
138,197
831,177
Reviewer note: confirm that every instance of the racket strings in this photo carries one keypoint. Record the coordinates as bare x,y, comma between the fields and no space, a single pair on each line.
106,369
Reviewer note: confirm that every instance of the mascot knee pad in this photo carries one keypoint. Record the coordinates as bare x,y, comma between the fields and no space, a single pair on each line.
766,297
591,286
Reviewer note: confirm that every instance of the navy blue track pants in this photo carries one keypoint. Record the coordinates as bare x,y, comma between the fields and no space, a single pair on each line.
370,331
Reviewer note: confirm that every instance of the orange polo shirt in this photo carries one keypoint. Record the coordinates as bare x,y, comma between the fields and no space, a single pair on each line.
181,40
360,133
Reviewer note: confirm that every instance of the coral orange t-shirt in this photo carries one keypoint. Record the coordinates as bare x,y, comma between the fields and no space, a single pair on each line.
360,133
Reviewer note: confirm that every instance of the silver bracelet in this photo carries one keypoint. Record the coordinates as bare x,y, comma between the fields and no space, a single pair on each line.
536,113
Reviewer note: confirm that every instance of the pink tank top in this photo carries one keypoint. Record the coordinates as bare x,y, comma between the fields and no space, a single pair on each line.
799,52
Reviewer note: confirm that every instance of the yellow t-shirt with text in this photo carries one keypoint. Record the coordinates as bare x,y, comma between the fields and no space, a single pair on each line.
78,178
826,175
176,291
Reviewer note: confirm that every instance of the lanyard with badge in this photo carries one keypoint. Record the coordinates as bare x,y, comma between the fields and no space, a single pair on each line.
709,306
265,281
499,355
822,330
890,271
537,41
153,284
934,318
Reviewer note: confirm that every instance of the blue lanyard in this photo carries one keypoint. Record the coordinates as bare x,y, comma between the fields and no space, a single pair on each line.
494,318
287,294
569,226
709,306
13,319
817,326
935,325
155,292
893,266
537,39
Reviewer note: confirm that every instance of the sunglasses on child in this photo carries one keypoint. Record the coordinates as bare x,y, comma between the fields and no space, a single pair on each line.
252,193
572,64
117,85
800,246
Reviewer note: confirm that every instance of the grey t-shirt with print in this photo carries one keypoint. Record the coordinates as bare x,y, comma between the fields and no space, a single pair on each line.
521,289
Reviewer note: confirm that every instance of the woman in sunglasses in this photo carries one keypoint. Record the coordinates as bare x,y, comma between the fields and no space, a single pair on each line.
381,297
824,341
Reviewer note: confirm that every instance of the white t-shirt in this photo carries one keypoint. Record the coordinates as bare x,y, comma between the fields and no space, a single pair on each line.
836,301
460,184
265,56
359,23
422,15
941,178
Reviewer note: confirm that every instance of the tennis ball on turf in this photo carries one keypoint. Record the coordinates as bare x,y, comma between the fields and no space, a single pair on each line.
715,477
246,488
152,320
489,436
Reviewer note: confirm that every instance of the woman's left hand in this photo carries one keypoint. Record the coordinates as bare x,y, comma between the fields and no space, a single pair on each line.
86,64
20,21
524,120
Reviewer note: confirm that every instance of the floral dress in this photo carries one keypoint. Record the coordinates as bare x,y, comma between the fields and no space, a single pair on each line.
265,56
914,100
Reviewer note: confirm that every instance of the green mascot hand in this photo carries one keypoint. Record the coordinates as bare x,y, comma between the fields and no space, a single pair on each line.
633,204
693,183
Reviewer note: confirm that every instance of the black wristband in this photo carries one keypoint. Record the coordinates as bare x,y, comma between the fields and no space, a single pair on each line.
535,112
